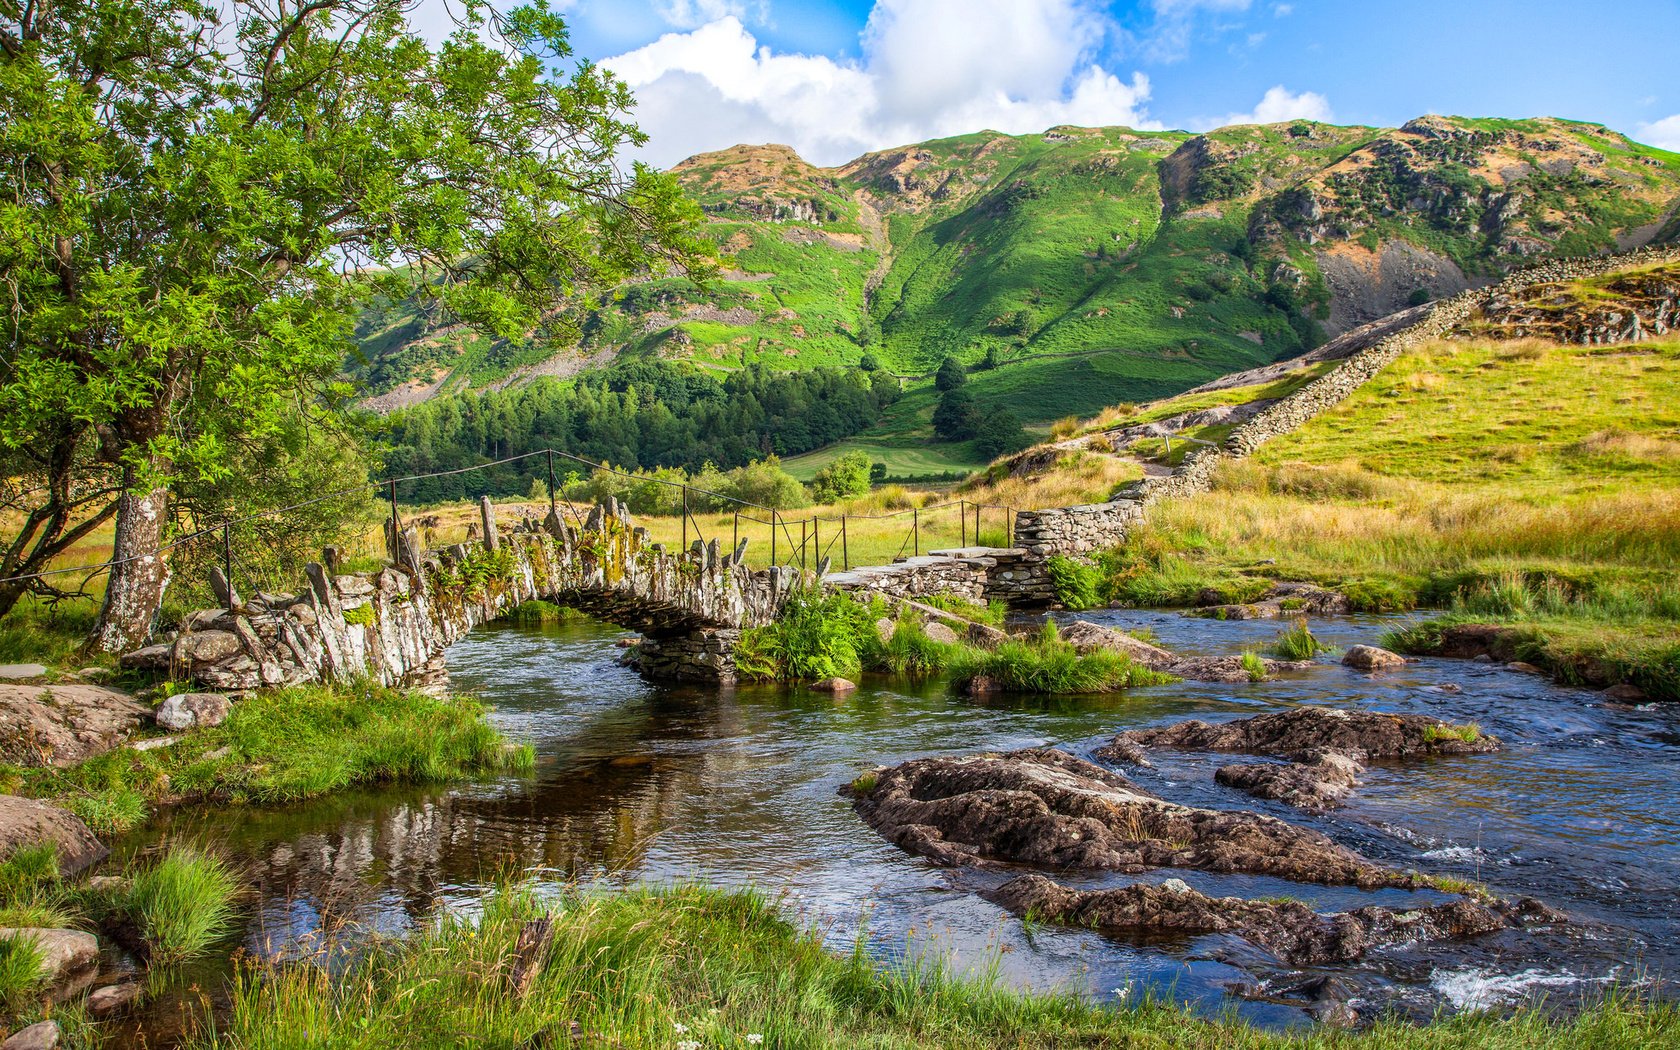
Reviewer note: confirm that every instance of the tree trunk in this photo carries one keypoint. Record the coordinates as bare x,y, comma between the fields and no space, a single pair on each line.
139,574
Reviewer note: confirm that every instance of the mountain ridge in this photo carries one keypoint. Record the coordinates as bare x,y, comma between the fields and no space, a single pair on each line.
1158,259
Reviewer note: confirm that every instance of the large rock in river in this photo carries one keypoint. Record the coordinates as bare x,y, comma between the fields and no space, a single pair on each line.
1296,732
31,822
1048,808
1289,929
60,725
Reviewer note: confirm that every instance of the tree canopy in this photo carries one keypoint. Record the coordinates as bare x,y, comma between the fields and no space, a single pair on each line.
195,197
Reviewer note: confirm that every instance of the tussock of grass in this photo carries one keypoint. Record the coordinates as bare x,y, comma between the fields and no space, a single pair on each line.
283,746
182,904
1254,666
1444,731
1049,665
21,960
1296,642
628,968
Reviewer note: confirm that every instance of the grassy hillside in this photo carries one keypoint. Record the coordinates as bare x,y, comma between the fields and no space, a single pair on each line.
1091,266
1519,482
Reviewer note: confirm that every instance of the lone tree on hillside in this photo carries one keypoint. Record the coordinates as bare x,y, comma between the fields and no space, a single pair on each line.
198,196
951,375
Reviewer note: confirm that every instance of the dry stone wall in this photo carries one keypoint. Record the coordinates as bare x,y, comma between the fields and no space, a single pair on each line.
394,625
1081,530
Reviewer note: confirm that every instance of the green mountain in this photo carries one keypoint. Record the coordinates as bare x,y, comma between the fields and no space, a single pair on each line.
1090,265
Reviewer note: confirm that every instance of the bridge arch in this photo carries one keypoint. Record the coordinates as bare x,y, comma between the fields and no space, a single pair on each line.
394,625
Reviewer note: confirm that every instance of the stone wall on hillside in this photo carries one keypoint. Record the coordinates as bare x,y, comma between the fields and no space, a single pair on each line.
1083,530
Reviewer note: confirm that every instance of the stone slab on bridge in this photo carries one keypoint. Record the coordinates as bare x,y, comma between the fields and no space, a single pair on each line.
393,625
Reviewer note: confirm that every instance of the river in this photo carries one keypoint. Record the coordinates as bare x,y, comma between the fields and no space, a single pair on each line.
640,782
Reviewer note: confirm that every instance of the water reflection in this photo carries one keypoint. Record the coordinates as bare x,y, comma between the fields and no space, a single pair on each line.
739,787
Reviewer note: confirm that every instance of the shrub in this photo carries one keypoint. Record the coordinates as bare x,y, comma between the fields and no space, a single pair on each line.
182,904
1049,665
1254,666
816,636
1078,584
910,653
846,476
1296,642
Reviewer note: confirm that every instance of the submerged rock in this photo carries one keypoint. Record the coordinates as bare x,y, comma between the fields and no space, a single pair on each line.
60,725
1048,808
103,1002
1318,784
1296,732
1288,929
834,685
31,822
1328,748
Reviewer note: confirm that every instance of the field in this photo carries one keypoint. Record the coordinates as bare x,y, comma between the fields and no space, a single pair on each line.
1517,482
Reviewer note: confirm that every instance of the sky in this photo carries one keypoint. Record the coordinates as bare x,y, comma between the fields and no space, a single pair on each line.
837,78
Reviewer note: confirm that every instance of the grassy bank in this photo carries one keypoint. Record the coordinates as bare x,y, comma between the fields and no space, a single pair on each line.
833,635
690,967
280,747
1524,483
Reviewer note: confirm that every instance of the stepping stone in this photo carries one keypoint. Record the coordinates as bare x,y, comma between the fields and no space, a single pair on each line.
18,672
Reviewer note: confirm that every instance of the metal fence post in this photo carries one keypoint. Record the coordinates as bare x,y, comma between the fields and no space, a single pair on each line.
804,531
685,516
916,531
227,555
775,520
551,495
962,523
845,555
816,539
735,536
977,524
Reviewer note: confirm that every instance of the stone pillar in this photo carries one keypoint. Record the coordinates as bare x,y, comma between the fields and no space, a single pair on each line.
487,512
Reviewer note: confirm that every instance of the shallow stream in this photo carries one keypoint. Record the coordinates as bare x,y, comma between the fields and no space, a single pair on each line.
641,782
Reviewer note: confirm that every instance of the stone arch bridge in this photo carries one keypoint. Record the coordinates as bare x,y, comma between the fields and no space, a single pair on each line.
393,625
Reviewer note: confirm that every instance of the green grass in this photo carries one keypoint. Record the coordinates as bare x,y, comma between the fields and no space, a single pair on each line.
1078,584
20,971
1254,666
685,965
284,746
182,904
1296,642
1468,733
1046,665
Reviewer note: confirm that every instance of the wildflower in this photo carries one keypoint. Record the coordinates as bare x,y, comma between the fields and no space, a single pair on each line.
679,1026
689,1044
754,1039
1121,993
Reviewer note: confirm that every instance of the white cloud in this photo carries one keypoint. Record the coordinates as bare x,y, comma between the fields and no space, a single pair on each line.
927,68
1277,104
1663,134
691,14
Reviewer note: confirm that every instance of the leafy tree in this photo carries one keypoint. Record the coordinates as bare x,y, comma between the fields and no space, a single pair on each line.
999,433
956,417
877,473
869,363
847,475
951,375
198,196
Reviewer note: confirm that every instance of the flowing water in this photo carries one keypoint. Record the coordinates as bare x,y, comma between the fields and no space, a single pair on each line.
642,782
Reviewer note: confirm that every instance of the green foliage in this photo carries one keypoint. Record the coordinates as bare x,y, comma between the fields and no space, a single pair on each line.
910,653
21,961
1253,666
1468,733
845,476
1078,584
266,151
817,636
634,964
950,375
999,433
283,746
182,904
1047,665
957,417
650,414
1296,642
360,615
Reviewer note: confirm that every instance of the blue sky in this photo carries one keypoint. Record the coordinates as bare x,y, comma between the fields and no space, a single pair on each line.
836,77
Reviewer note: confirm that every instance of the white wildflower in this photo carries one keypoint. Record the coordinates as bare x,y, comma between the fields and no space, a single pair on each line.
1122,993
689,1044
679,1026
754,1039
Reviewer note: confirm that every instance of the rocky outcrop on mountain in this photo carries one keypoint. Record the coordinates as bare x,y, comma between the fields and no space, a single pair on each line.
1622,308
1050,809
1288,929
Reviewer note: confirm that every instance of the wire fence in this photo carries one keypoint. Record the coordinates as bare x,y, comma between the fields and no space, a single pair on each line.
820,536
